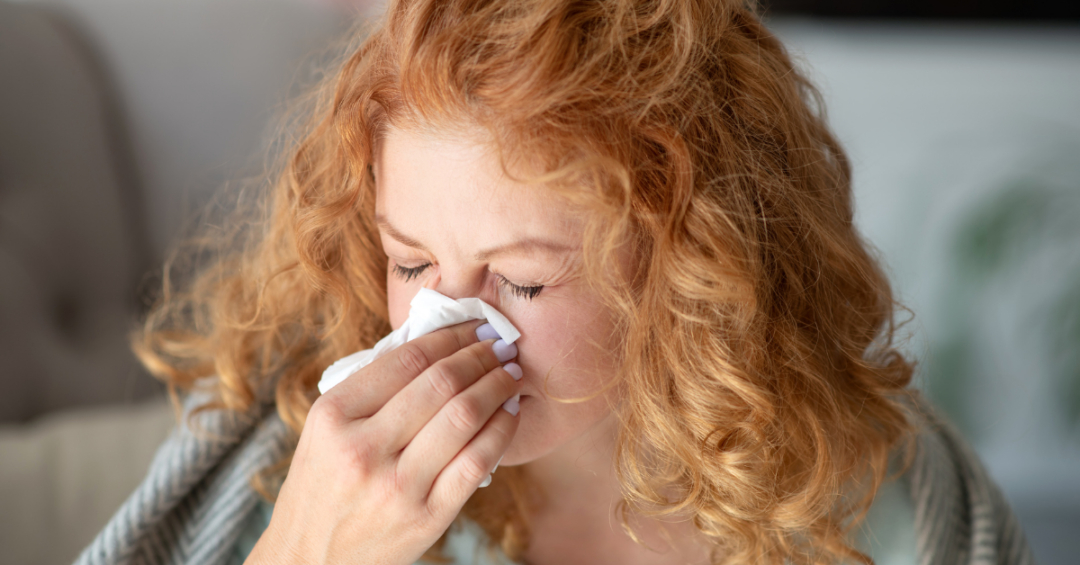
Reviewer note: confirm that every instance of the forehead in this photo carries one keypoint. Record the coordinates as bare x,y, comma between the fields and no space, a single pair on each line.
437,181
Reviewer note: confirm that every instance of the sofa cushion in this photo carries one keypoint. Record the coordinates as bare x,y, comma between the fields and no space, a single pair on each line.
68,252
63,476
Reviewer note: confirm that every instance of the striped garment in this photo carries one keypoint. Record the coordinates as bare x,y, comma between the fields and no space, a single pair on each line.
193,504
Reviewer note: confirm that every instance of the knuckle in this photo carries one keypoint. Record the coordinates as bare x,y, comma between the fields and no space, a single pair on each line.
463,414
442,381
412,358
363,459
449,338
325,410
473,469
483,356
507,385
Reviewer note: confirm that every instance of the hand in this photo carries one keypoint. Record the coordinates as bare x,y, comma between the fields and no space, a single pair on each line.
388,457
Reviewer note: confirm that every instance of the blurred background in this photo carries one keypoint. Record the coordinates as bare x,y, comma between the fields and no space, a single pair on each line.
119,119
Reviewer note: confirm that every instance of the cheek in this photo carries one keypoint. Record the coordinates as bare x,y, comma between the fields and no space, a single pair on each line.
562,349
571,347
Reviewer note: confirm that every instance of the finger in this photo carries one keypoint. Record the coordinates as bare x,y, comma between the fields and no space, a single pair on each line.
454,426
404,415
464,474
367,390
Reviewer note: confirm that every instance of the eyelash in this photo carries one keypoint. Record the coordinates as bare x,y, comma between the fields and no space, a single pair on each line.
526,292
410,273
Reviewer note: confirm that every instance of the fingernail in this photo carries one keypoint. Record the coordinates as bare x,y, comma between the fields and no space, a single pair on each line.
487,481
486,331
504,351
513,405
514,369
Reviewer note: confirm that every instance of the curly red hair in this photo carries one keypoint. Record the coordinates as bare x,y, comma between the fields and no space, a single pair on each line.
764,393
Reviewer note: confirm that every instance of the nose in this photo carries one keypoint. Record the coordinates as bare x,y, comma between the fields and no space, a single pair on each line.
455,287
460,287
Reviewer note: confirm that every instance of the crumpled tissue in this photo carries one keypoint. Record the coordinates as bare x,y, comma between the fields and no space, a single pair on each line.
428,311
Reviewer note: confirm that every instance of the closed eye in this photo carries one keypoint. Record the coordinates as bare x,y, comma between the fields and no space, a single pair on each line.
526,292
409,273
519,291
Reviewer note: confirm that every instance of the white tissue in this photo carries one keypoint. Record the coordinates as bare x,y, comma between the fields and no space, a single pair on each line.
428,311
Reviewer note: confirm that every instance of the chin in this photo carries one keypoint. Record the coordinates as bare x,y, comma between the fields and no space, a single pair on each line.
530,442
544,430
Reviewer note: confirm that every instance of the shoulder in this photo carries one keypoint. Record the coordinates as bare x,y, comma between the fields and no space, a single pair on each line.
959,514
209,439
196,496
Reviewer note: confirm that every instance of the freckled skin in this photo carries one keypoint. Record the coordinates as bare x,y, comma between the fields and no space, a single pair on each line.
451,196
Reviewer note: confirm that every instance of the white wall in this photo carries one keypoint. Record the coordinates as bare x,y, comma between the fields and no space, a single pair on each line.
965,142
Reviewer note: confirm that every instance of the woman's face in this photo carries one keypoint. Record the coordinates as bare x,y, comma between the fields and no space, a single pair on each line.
450,220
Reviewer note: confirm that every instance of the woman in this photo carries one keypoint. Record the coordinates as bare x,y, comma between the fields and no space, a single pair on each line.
648,191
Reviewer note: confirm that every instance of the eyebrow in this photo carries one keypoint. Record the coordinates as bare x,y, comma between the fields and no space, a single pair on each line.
525,244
